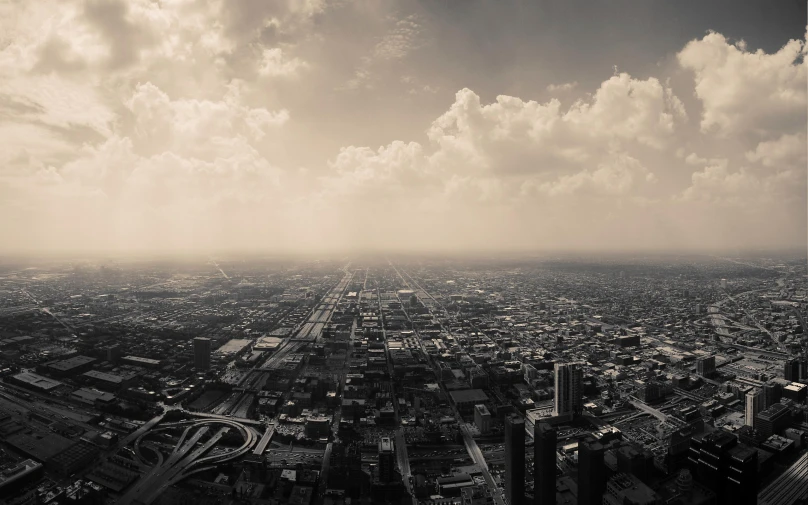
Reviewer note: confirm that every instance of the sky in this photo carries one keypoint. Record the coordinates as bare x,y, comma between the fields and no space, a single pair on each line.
378,125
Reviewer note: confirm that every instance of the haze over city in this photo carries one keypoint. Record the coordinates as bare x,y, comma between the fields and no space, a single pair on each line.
403,252
295,126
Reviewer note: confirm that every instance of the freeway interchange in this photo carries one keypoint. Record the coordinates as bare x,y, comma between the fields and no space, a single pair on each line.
189,455
201,436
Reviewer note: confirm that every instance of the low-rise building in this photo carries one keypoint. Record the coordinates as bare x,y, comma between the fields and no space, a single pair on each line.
142,362
35,382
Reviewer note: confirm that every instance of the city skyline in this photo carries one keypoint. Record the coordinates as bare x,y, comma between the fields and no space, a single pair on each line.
319,126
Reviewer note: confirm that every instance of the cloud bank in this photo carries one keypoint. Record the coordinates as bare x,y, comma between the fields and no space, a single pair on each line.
146,126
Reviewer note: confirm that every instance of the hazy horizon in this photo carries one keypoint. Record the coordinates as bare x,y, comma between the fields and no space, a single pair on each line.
193,256
136,128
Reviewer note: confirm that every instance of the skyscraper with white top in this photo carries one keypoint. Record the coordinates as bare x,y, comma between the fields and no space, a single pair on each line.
569,379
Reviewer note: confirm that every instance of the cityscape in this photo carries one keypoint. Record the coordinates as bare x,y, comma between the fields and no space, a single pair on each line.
435,381
403,252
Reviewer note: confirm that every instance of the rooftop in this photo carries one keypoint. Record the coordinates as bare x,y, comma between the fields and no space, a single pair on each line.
469,395
37,381
233,346
138,359
102,376
70,363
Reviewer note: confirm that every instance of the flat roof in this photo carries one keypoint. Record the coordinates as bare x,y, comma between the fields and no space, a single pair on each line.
233,346
386,444
469,395
93,395
268,342
70,363
41,447
106,377
19,471
138,359
37,381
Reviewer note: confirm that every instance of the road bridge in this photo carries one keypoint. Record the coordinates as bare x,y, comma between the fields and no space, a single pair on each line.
187,456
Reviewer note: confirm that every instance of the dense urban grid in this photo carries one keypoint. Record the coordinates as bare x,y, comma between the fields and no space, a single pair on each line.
644,380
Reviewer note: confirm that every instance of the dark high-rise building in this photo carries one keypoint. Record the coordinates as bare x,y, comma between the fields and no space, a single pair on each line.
773,420
114,353
791,370
706,366
742,476
387,459
591,473
569,378
635,461
514,460
345,470
201,353
544,463
771,394
726,467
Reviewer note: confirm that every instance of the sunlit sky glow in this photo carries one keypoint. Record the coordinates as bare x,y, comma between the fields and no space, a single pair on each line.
316,125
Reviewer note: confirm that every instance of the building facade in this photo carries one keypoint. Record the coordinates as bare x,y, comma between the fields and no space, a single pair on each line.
568,389
545,439
202,350
514,460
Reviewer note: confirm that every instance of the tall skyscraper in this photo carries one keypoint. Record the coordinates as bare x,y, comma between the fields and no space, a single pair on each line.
591,472
771,394
514,460
726,467
791,370
201,353
544,463
706,366
773,420
803,367
569,378
755,403
635,460
387,459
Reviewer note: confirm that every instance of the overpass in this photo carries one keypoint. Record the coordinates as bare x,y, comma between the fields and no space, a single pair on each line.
187,457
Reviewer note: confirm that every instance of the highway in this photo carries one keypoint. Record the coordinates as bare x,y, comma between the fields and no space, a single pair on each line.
402,457
477,455
650,410
312,329
262,445
309,331
754,320
241,420
219,268
47,311
187,454
471,445
720,325
689,395
140,431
